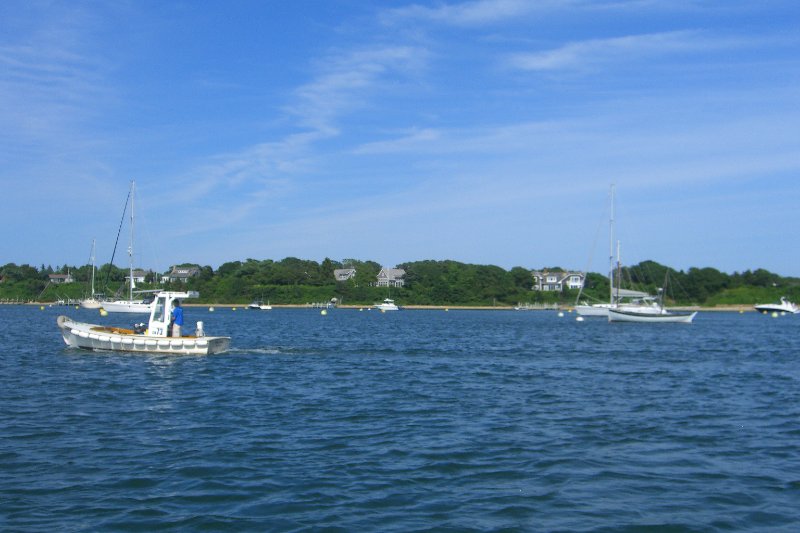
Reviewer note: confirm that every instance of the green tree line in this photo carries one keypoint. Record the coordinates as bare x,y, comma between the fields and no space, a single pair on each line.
299,281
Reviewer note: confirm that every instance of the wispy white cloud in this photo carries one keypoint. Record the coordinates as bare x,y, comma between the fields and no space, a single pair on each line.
258,174
414,140
474,13
345,80
594,52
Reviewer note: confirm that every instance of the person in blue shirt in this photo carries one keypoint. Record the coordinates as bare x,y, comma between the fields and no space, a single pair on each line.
177,318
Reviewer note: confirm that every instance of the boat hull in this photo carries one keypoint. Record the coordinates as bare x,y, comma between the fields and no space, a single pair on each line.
776,308
105,338
593,310
617,315
124,306
91,303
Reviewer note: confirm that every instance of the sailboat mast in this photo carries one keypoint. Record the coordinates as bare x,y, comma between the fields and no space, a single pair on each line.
611,251
619,271
130,247
93,259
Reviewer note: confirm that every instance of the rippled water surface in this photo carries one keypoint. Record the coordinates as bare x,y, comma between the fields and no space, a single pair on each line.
415,420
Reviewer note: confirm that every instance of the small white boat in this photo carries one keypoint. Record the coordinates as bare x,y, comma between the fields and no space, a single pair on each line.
154,339
784,306
622,315
91,303
259,305
387,305
127,306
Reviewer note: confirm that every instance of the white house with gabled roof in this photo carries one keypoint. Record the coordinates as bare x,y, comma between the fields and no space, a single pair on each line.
557,280
391,277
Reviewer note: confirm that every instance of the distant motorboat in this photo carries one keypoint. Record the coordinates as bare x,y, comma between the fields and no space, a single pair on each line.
260,305
387,305
784,306
153,339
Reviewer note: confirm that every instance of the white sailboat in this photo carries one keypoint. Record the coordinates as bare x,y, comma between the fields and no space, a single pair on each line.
92,302
129,305
618,297
653,314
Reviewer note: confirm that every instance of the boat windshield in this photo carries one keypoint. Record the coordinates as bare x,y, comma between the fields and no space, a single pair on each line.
158,314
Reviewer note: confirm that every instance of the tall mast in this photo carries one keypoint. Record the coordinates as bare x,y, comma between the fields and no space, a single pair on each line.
130,247
611,250
93,243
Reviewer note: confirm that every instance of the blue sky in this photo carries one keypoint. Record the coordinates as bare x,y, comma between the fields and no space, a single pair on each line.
484,131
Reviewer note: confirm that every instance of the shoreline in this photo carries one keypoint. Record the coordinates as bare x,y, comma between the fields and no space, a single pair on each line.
726,308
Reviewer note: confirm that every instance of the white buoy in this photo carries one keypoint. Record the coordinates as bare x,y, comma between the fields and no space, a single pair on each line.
774,314
323,312
103,312
211,309
579,319
560,314
41,308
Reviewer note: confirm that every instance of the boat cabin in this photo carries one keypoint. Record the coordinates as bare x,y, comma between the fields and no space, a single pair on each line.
161,311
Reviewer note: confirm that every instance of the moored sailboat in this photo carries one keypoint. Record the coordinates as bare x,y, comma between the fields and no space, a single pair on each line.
129,305
618,298
92,302
655,314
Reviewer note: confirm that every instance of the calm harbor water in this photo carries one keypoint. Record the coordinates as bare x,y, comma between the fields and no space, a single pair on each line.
407,421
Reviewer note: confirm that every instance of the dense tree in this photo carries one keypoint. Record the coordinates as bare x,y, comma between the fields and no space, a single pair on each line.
294,280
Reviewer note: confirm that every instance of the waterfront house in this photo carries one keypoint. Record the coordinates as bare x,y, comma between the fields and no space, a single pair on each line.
557,280
138,276
58,279
181,273
344,274
391,277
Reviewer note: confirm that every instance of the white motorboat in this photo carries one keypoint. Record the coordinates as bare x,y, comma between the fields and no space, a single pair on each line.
387,305
784,306
259,305
154,339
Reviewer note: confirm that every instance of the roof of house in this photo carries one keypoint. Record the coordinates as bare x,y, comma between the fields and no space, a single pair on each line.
391,273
